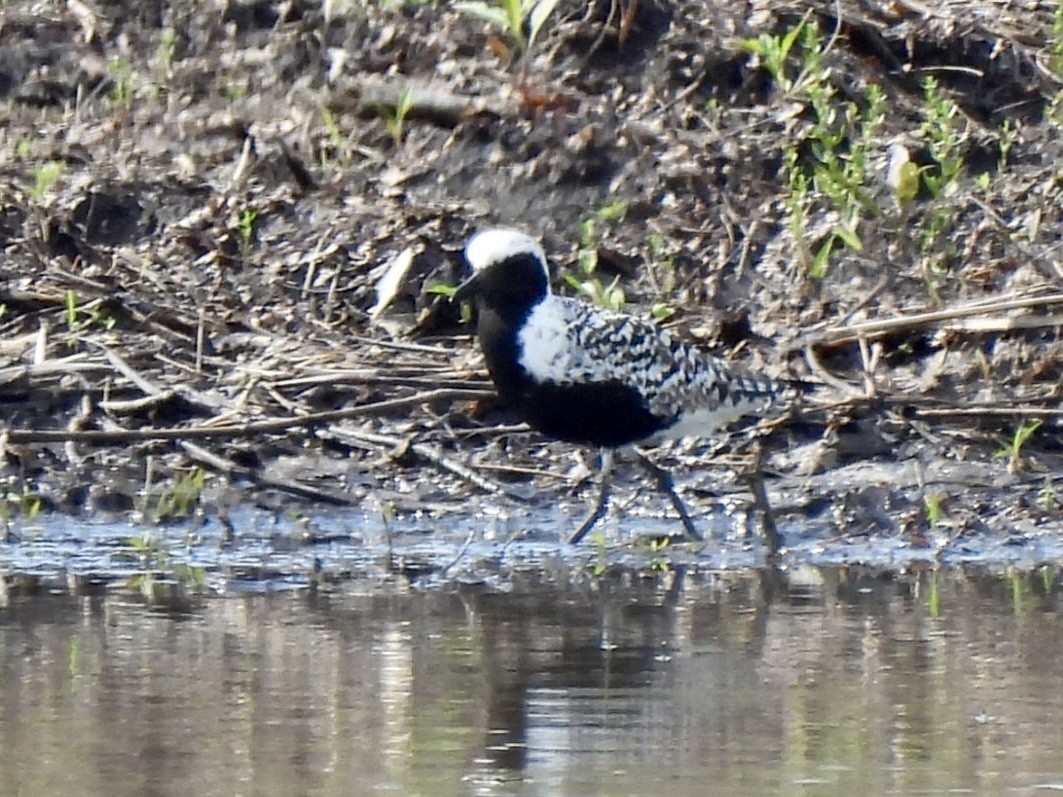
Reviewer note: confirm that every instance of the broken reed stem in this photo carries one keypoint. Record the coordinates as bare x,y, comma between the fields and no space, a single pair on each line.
239,430
886,326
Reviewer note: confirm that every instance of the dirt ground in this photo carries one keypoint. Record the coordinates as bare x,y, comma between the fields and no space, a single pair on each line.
221,225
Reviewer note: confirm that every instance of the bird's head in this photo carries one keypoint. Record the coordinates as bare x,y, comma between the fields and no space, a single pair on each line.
509,270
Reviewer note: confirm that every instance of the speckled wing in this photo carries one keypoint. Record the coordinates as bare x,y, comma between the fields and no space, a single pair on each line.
680,382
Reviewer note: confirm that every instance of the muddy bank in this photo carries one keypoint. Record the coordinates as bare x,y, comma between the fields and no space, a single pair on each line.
222,225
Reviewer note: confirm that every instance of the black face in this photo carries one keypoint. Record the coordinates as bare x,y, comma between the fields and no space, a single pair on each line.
509,288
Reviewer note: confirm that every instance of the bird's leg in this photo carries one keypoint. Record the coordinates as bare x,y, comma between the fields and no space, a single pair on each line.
755,478
603,499
666,485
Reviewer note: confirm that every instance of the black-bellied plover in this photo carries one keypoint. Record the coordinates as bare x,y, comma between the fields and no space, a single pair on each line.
578,373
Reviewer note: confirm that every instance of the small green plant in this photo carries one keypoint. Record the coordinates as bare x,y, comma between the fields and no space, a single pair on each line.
447,291
934,507
831,173
338,143
936,248
1055,42
441,289
610,296
30,505
102,319
601,551
945,138
1054,48
182,498
44,178
662,275
165,52
1019,589
613,211
234,88
396,121
245,228
661,311
122,89
1007,136
24,505
513,16
77,316
903,176
933,596
660,561
23,149
1047,498
773,52
70,309
1012,448
189,574
148,548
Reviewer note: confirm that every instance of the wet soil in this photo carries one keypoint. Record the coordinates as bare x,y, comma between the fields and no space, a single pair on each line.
220,241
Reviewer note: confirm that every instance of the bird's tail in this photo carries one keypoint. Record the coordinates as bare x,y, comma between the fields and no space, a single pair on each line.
765,391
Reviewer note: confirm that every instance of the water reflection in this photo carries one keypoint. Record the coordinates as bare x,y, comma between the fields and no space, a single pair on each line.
822,682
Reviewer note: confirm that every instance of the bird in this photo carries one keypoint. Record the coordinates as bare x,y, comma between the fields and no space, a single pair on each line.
582,374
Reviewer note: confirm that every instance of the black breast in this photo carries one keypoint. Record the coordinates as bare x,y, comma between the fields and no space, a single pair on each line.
607,413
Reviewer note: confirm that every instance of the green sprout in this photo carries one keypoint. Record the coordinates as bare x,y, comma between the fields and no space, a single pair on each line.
933,597
447,292
396,122
1047,498
773,52
182,498
659,549
25,505
441,289
613,211
661,311
234,88
662,275
335,137
934,506
148,548
601,551
832,172
903,177
945,138
1055,42
610,296
1009,134
1012,449
122,82
167,48
245,228
45,177
513,16
70,309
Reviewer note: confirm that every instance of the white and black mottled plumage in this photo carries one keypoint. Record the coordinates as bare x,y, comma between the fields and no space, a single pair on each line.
582,374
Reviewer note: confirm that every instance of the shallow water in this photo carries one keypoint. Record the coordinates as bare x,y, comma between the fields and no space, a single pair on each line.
267,552
820,682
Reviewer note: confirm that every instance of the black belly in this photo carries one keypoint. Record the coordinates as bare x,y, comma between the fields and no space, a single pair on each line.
597,413
600,413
